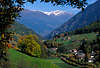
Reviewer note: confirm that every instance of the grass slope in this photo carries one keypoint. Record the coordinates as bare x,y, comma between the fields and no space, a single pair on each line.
21,29
88,36
20,60
60,63
75,41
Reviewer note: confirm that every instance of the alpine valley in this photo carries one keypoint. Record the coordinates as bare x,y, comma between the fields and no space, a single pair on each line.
43,22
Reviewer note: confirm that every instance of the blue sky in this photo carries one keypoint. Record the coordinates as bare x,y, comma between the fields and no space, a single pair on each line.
47,7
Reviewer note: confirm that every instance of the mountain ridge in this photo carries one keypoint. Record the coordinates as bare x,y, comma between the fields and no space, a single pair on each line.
89,15
42,23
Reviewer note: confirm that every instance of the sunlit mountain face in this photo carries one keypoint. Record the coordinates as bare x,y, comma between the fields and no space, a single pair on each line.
44,22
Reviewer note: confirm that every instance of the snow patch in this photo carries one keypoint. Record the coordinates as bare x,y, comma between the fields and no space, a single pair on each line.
57,12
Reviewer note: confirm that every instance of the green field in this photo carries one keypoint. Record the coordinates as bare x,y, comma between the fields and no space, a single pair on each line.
20,60
75,41
89,36
60,63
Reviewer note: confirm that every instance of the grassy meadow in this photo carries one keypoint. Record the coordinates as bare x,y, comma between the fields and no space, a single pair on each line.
20,60
76,40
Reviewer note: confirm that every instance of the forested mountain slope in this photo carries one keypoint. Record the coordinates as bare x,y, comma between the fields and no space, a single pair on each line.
88,16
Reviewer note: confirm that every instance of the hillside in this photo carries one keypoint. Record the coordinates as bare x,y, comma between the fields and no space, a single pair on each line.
69,46
75,41
89,15
93,27
21,29
20,60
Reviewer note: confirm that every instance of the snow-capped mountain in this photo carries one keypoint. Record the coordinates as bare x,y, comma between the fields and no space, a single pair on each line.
56,13
43,22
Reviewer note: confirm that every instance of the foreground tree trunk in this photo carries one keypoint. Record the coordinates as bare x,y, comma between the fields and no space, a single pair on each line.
3,47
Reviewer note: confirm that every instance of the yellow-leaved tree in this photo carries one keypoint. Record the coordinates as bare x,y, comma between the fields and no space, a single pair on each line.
28,45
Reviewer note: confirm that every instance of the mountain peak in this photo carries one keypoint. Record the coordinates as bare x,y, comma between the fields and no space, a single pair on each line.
56,13
36,20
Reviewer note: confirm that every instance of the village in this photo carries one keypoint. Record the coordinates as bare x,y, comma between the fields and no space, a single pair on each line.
86,53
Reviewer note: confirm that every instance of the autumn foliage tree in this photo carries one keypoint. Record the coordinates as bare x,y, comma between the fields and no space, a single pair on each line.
28,45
